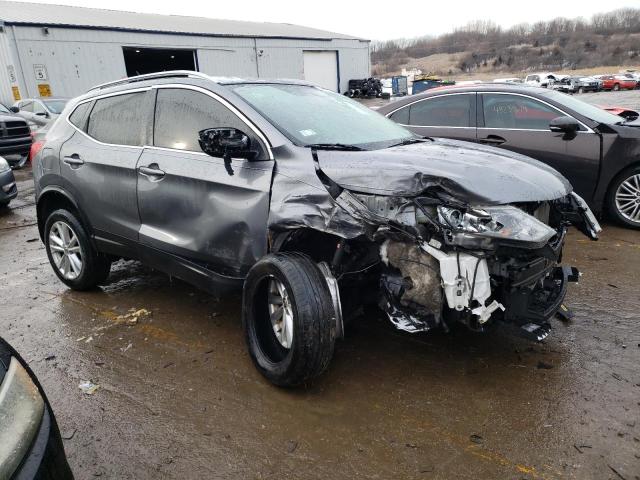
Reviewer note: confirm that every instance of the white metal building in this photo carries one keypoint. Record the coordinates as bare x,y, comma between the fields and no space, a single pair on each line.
53,50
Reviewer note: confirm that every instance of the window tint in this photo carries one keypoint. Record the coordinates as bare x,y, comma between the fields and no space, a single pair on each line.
401,116
514,111
444,111
120,119
79,115
182,113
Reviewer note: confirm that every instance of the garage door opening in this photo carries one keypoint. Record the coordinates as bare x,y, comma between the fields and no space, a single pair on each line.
139,61
321,68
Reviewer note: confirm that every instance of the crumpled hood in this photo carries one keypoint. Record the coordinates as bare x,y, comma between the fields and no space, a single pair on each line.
471,172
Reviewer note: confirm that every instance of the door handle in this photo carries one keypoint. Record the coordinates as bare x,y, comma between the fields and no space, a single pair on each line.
73,160
492,140
152,171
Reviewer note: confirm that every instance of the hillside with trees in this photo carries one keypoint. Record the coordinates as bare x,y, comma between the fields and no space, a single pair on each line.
607,39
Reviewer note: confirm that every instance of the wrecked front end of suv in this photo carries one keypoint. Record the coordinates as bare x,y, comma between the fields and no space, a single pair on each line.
439,232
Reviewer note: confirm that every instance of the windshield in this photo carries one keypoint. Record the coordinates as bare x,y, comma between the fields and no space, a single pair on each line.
4,109
586,110
308,115
55,106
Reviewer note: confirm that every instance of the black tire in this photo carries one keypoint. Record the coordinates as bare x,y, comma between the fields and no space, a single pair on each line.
616,87
611,204
314,324
4,204
580,90
95,266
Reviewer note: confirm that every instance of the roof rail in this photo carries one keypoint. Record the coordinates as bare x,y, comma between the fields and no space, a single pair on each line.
151,76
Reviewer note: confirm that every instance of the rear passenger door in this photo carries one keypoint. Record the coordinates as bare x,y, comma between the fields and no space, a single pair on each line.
190,204
99,161
448,115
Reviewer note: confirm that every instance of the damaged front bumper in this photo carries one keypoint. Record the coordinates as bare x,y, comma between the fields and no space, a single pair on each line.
508,272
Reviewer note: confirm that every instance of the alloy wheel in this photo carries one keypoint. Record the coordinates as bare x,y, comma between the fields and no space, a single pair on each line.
628,198
65,250
280,312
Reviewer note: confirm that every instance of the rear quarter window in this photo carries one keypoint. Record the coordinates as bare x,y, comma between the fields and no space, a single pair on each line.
79,116
119,120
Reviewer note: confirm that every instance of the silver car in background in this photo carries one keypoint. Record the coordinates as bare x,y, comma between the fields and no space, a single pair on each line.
39,111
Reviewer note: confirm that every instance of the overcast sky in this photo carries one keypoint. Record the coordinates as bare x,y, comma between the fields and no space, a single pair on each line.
375,20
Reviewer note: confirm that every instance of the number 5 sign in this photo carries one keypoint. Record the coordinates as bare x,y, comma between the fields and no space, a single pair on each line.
40,72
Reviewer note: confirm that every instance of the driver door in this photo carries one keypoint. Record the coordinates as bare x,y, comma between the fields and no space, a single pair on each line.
191,204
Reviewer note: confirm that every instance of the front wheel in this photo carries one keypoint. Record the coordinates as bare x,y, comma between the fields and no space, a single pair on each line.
616,87
623,200
581,90
288,318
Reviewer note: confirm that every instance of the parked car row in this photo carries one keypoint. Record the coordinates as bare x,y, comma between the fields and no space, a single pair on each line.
581,84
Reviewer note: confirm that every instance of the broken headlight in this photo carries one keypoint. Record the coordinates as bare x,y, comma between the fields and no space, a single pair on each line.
480,227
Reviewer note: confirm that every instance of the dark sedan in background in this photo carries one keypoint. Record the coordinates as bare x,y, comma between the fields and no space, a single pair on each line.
30,443
598,152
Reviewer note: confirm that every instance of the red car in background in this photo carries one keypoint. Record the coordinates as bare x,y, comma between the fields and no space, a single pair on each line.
618,82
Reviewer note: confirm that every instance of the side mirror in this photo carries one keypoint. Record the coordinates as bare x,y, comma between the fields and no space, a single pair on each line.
14,109
567,125
225,142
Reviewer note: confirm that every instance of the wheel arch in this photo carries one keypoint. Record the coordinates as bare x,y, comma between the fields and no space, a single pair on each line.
317,244
53,198
614,180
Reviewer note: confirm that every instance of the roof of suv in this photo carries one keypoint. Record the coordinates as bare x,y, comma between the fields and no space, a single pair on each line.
175,75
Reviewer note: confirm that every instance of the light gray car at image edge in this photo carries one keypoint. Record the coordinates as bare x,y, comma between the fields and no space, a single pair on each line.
311,203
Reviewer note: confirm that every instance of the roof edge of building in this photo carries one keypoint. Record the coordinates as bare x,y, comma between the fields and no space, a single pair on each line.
170,32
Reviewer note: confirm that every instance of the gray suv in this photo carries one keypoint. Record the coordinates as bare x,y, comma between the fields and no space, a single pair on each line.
311,203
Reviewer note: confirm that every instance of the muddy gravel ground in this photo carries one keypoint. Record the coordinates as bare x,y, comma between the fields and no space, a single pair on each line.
179,398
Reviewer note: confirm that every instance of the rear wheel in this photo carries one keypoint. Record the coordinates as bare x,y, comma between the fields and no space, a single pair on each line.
624,198
581,90
73,258
288,319
616,87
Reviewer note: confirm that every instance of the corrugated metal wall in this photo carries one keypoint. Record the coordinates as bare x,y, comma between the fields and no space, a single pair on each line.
6,63
77,59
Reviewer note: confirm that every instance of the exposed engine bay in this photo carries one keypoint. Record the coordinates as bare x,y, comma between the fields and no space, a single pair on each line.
475,265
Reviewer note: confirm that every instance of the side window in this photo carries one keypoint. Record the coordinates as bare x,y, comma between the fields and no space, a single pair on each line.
443,111
514,111
38,108
79,115
120,119
401,116
182,113
27,107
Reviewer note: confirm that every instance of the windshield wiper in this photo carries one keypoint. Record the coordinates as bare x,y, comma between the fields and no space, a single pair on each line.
410,141
334,146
